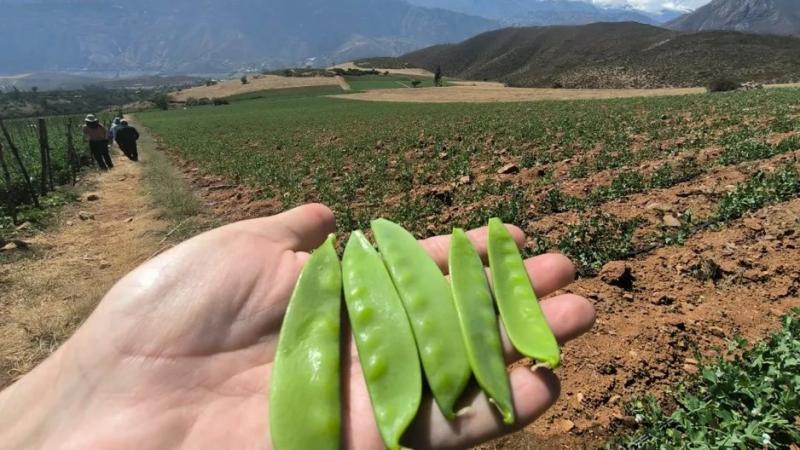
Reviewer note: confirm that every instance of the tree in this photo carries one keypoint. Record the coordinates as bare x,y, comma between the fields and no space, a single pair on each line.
161,101
34,89
244,79
437,77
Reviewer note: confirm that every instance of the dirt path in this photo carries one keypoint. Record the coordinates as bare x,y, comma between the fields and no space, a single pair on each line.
343,83
48,293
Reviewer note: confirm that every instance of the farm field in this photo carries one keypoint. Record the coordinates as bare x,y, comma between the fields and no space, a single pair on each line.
373,82
67,156
681,213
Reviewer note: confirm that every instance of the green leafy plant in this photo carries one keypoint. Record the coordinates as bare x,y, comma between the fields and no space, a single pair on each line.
747,397
597,240
761,189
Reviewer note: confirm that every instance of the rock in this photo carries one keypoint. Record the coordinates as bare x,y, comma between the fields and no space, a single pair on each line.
24,226
464,179
83,215
104,265
618,273
627,297
691,361
15,245
129,220
690,368
654,205
670,221
716,331
508,169
614,399
579,397
70,223
753,224
443,155
92,197
563,425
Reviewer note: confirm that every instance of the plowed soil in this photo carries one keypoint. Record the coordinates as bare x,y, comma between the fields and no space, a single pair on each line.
654,311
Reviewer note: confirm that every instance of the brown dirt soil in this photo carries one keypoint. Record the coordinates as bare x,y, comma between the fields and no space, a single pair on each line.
735,281
49,289
489,94
227,88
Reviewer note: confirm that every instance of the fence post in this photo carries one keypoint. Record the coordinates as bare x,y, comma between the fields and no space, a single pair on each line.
44,152
72,157
22,169
10,200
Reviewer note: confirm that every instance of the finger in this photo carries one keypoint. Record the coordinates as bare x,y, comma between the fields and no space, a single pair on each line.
568,315
301,229
533,393
439,246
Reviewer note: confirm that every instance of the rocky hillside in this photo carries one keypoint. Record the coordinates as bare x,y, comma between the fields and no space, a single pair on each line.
753,16
614,55
212,36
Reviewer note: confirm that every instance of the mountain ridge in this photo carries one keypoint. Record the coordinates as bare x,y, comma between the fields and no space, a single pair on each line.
754,16
613,55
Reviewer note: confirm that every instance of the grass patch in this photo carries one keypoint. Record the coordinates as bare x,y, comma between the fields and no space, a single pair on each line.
747,397
170,194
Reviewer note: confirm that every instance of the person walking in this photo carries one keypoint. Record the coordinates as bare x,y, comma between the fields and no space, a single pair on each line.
126,137
98,142
113,128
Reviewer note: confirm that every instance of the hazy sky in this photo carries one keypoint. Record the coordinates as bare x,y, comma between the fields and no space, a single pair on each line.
655,5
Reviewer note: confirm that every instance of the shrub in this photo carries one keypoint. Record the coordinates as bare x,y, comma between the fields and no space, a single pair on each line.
243,79
204,101
723,85
191,101
161,101
216,101
415,83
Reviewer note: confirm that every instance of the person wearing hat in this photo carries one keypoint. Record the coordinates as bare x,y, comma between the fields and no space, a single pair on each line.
98,142
126,137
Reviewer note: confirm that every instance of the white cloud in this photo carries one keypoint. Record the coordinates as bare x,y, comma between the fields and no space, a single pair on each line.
654,5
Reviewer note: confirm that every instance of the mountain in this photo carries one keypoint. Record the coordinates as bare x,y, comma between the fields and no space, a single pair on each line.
540,12
753,16
613,55
213,36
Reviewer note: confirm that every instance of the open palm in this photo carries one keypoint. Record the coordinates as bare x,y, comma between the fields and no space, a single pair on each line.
179,352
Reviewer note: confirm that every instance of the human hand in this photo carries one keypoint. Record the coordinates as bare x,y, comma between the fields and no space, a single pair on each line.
179,352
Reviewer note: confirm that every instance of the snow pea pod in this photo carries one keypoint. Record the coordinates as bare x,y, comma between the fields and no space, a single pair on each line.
307,364
519,308
427,299
384,339
478,322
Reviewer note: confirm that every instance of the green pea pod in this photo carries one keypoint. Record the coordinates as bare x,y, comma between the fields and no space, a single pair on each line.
519,308
478,322
383,338
428,301
304,403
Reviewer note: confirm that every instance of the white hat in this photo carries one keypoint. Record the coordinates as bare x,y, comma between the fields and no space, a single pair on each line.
91,118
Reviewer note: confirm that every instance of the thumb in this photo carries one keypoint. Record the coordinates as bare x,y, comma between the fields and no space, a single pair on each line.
300,229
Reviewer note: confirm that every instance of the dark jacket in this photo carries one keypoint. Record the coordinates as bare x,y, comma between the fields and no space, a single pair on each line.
126,135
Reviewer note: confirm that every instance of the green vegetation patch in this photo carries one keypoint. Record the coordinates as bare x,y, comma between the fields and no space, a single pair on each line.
748,397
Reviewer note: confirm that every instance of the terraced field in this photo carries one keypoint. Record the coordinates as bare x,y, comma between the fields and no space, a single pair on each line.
681,213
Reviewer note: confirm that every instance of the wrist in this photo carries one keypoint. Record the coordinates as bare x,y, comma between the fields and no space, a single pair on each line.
37,405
